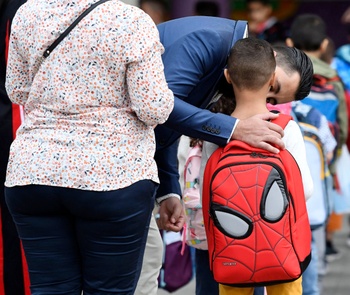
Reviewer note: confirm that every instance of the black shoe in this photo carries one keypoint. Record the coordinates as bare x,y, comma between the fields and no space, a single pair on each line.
331,253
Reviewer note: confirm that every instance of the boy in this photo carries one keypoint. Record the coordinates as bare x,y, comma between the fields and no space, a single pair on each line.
251,71
262,23
309,33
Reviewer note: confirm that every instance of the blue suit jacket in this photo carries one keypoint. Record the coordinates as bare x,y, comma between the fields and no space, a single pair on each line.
196,51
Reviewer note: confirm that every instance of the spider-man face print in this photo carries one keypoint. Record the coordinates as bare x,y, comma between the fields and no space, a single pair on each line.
237,220
250,211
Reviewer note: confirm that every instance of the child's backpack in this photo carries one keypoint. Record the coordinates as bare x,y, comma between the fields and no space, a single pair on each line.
255,215
324,98
318,206
309,121
347,97
194,231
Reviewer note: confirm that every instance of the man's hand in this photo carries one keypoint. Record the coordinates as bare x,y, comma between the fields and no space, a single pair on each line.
258,132
172,216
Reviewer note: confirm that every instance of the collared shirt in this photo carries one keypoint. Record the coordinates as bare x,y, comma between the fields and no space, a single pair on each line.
91,106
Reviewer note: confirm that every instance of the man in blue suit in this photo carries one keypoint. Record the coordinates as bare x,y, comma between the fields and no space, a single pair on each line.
196,51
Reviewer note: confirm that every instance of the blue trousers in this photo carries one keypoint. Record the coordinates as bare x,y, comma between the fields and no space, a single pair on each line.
310,276
76,240
205,283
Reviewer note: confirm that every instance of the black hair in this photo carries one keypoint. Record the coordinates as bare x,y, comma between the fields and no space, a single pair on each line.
251,63
291,60
308,31
208,8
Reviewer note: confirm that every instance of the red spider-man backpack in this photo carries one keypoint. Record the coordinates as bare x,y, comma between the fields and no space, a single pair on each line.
255,215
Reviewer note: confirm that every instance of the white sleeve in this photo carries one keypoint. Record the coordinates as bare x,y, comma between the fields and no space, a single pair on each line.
182,154
294,142
207,150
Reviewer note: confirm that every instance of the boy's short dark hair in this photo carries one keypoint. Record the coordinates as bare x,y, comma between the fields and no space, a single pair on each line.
292,60
308,32
251,63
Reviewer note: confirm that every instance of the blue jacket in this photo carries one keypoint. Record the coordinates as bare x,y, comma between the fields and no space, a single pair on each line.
196,51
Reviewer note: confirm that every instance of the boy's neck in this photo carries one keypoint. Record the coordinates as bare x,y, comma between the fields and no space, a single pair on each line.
250,103
316,53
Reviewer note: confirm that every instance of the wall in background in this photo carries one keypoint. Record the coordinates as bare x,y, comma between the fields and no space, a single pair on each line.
285,10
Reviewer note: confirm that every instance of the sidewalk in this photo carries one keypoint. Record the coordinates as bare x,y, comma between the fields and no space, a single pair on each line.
336,281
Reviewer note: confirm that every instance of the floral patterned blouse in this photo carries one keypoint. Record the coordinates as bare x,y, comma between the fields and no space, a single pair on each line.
91,106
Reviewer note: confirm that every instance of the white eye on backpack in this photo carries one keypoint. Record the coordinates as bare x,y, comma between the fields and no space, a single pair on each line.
233,225
274,204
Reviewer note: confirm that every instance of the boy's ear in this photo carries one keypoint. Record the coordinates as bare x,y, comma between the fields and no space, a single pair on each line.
227,76
289,42
324,45
272,80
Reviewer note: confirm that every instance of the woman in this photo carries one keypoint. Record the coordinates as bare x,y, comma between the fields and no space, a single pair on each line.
81,177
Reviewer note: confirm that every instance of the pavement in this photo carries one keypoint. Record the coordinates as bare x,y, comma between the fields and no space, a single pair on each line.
335,282
337,279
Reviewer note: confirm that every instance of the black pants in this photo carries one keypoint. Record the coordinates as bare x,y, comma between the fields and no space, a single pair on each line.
78,240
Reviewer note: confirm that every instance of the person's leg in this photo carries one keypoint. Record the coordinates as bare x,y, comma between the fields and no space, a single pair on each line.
152,262
293,288
48,236
310,275
348,238
205,283
319,236
112,229
228,290
259,291
335,223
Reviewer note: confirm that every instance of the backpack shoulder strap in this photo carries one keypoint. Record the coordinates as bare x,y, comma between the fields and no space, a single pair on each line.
322,80
282,120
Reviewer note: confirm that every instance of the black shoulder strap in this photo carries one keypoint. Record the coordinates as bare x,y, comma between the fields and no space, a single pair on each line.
67,31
